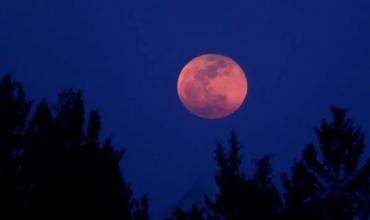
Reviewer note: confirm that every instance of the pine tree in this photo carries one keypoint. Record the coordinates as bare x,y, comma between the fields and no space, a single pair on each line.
196,213
330,182
51,168
239,197
142,209
14,109
231,183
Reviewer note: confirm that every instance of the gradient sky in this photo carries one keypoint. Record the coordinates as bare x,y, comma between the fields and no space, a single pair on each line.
300,57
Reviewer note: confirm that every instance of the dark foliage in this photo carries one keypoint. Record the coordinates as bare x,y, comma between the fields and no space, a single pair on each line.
195,213
142,209
329,181
240,197
54,165
49,167
14,109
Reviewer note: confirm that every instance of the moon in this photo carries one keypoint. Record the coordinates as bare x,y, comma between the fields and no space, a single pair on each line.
212,86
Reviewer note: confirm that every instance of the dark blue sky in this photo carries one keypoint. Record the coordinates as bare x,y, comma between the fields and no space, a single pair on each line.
300,57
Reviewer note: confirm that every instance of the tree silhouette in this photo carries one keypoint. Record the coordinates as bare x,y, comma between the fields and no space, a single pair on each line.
14,109
142,209
240,197
195,213
49,167
329,181
54,164
231,183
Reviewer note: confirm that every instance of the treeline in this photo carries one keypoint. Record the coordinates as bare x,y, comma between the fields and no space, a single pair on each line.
328,182
52,165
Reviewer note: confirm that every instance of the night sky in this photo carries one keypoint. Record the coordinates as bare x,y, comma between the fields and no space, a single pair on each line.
300,57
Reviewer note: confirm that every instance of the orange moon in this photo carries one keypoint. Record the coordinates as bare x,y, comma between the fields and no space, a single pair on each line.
212,86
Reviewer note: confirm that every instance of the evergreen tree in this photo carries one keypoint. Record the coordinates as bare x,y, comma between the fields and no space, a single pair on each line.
52,165
240,197
266,202
142,209
231,183
195,213
49,167
330,182
14,109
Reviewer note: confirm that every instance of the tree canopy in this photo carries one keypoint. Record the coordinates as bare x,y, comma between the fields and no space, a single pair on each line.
54,164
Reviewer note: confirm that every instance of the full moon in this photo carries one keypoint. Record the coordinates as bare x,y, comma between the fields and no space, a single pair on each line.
212,86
